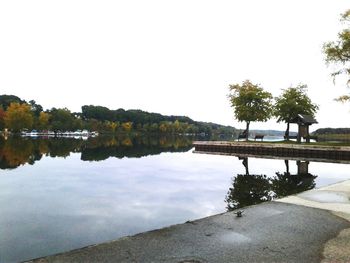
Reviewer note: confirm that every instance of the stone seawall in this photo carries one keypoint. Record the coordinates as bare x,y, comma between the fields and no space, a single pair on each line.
329,153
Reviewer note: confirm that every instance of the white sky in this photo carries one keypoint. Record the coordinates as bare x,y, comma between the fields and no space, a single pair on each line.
172,57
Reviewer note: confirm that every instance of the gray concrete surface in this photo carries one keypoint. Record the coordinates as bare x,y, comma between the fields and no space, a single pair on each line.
336,199
269,232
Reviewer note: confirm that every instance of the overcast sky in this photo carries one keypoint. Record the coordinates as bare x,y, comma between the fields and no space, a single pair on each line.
172,57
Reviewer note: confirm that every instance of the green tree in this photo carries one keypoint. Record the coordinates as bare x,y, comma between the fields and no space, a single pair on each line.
62,119
250,103
36,108
154,128
43,120
146,127
291,102
93,125
18,117
96,112
338,52
77,124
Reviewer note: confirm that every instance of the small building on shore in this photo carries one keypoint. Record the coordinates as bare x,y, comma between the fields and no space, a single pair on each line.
304,122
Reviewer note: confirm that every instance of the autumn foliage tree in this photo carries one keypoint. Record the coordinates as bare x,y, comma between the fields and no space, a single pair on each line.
127,126
18,117
2,118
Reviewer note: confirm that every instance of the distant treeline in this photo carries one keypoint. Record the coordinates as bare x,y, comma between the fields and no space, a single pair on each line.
17,115
325,131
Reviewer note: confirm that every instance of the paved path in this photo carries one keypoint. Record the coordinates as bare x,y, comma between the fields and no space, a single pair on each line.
336,199
289,230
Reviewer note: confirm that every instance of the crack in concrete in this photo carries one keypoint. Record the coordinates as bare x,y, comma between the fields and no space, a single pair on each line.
275,251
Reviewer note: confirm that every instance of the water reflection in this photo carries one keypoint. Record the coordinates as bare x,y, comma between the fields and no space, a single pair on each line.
284,184
16,151
250,189
60,204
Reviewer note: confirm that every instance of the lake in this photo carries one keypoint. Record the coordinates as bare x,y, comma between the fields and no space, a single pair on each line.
61,194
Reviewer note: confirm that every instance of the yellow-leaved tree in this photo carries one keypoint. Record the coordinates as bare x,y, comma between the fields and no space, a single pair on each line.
18,116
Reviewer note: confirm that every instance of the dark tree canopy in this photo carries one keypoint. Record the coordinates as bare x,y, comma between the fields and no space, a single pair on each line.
6,100
36,108
64,120
284,184
135,116
323,131
248,189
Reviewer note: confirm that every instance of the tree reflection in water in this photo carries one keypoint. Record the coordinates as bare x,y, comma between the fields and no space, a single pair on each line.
16,151
284,184
250,189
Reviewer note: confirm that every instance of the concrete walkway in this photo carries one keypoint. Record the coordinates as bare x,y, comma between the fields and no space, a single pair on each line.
336,199
311,227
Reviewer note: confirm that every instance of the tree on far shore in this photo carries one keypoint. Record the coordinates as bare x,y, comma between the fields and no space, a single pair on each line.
2,118
43,121
250,103
18,116
6,100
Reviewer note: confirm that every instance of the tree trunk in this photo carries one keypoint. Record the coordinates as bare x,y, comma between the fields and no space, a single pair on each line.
245,163
287,166
247,131
286,135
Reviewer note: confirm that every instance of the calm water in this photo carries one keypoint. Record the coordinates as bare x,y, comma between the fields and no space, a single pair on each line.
61,194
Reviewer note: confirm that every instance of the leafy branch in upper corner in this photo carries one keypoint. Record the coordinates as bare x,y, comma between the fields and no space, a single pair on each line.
338,53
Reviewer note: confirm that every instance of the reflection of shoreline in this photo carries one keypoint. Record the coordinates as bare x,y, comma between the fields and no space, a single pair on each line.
16,151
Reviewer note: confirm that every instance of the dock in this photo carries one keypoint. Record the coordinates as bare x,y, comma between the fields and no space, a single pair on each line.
315,153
